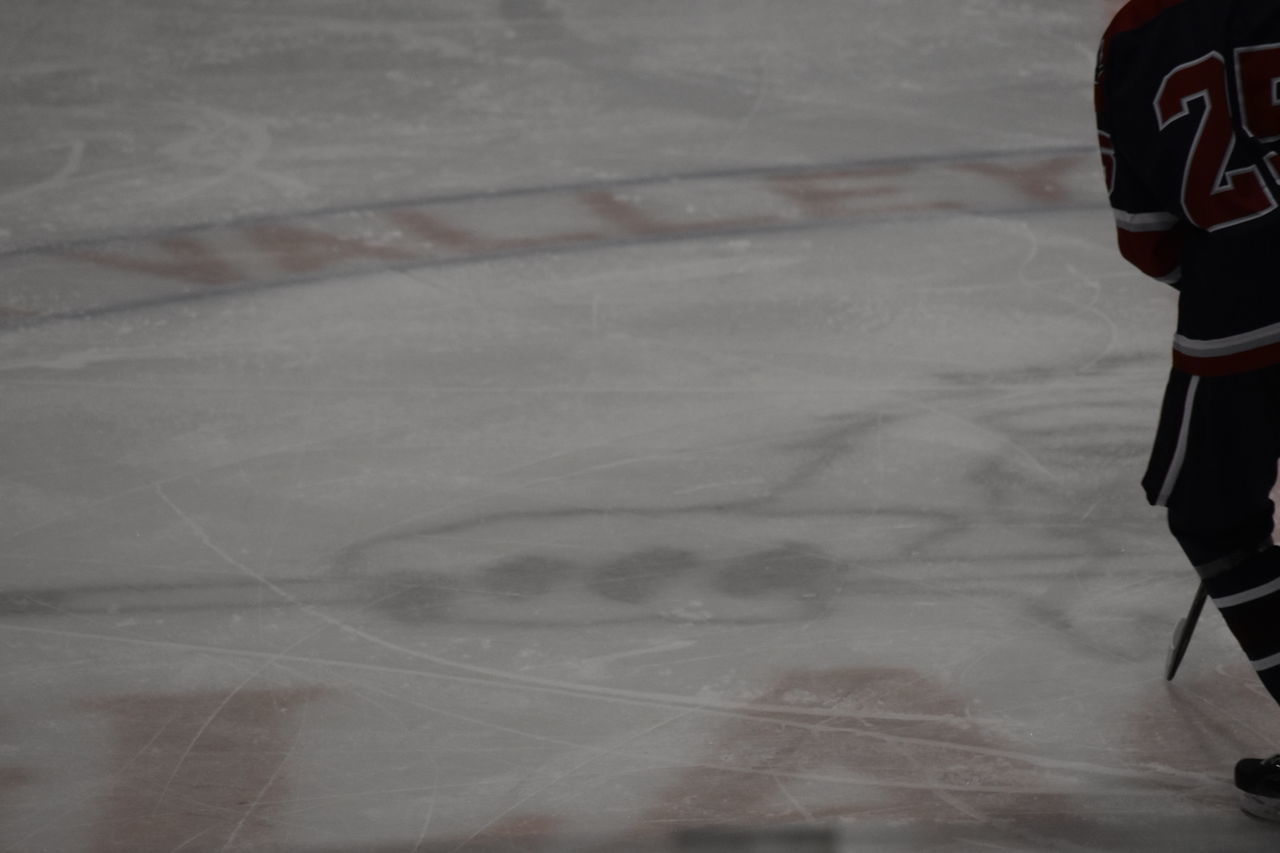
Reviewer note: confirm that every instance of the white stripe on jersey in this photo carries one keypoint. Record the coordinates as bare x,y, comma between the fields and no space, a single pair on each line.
1180,453
1141,222
1242,342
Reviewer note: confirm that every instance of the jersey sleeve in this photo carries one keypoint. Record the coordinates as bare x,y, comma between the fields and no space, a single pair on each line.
1149,235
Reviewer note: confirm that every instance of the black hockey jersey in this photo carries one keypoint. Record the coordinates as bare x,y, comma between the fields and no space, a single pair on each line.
1188,106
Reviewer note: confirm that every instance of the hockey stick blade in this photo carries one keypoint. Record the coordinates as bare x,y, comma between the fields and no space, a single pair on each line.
1182,634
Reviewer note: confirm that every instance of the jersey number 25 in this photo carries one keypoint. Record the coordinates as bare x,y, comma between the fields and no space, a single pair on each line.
1212,197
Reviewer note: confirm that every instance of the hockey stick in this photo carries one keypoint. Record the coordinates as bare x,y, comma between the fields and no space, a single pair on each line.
1182,634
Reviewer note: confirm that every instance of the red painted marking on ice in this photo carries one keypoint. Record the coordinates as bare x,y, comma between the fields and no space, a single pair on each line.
9,311
439,231
11,779
189,259
458,228
753,772
1040,181
634,219
199,771
1216,712
526,827
303,250
822,195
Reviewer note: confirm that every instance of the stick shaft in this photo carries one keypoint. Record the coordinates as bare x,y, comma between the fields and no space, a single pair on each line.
1182,634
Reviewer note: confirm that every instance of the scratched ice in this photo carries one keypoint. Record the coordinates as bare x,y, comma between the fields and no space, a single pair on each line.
567,424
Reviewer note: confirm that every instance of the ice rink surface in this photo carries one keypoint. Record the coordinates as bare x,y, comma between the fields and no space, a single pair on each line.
539,425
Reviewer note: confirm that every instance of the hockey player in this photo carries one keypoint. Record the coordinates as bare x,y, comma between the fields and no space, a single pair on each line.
1188,108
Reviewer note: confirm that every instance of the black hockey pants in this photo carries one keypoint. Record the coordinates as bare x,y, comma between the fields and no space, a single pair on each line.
1213,466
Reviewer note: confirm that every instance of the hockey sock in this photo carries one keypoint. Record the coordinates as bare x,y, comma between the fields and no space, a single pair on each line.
1248,596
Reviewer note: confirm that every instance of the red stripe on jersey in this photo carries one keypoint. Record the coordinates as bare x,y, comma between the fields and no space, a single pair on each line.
1156,253
1134,15
1225,365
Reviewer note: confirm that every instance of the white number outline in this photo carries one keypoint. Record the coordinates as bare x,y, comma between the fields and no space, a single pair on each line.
1224,181
1275,89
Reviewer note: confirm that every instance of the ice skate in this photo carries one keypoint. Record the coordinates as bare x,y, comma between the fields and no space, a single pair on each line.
1259,784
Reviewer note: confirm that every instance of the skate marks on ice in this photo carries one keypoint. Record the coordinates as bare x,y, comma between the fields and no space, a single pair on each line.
938,781
943,783
890,752
652,545
953,498
246,770
800,549
839,506
238,770
961,492
402,577
542,33
198,770
780,584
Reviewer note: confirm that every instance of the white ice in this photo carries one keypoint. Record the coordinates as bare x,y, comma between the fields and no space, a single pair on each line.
537,543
